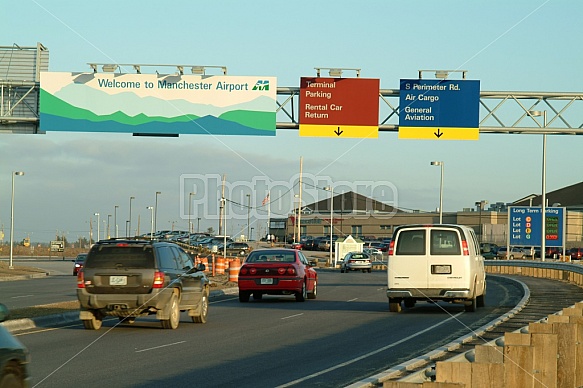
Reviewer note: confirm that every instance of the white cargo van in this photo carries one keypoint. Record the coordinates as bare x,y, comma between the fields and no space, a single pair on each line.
435,262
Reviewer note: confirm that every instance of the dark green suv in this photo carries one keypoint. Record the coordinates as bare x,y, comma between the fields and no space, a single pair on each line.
134,278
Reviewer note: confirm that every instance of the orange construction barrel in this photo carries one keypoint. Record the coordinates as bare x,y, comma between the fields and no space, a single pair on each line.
234,271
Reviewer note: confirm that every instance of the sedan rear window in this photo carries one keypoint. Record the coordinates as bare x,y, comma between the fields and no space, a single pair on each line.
258,257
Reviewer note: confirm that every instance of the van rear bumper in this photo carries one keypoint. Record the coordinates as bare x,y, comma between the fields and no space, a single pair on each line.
429,293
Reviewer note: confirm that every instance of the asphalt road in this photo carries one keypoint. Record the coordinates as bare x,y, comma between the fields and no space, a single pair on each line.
344,335
60,286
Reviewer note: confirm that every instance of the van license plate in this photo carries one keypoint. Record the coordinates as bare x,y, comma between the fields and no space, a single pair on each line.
441,269
118,280
266,281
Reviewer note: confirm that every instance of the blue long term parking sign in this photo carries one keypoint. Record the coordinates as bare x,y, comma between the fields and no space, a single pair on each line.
525,224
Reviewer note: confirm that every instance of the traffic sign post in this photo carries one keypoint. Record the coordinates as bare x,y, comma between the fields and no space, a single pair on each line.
339,107
439,109
525,226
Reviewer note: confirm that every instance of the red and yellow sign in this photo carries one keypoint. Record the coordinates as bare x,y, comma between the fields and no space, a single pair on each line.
339,107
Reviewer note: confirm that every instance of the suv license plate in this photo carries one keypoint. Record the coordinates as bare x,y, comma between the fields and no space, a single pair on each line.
118,280
266,281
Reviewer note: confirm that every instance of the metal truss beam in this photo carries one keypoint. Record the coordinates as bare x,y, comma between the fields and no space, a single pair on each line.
500,112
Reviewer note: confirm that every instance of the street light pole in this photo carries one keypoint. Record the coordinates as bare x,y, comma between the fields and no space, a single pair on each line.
440,191
129,233
481,204
156,209
115,220
331,189
14,173
152,222
189,211
97,214
543,248
248,213
108,234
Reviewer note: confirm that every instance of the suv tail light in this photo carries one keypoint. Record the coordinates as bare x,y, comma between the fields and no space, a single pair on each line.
80,279
158,279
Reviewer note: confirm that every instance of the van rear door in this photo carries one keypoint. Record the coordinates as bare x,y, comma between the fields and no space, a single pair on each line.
448,264
407,269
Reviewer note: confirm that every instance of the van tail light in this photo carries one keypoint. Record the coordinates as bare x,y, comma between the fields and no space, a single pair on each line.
465,249
158,279
391,247
80,279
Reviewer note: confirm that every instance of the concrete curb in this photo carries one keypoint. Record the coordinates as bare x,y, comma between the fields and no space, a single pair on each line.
14,325
24,277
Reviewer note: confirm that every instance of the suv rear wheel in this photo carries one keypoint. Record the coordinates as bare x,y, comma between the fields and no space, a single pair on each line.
202,311
174,314
94,323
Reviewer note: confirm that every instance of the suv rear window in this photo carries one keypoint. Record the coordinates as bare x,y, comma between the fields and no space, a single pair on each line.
445,242
128,257
411,242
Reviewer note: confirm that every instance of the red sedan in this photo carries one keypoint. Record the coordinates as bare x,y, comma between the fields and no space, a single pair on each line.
277,272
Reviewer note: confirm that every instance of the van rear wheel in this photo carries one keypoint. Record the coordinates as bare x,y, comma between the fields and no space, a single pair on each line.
471,305
394,307
480,301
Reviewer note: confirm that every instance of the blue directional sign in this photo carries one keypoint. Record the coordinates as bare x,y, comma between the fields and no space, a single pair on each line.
439,109
526,226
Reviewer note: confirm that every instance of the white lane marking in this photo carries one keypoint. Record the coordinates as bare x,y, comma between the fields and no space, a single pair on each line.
223,300
21,296
159,347
352,300
341,365
293,316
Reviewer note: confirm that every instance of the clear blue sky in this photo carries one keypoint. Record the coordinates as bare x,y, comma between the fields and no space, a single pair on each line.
520,45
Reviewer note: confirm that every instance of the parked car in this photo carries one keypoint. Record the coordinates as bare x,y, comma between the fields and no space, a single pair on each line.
277,271
78,263
373,252
133,278
313,245
515,253
356,261
14,357
235,248
489,248
576,253
308,244
435,262
324,245
297,245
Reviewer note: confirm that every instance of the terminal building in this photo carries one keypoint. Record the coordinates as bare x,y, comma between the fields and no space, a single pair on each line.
363,217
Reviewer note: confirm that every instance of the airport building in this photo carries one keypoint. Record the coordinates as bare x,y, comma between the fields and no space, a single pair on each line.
363,217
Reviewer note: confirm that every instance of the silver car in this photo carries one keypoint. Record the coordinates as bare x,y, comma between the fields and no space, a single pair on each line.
354,261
